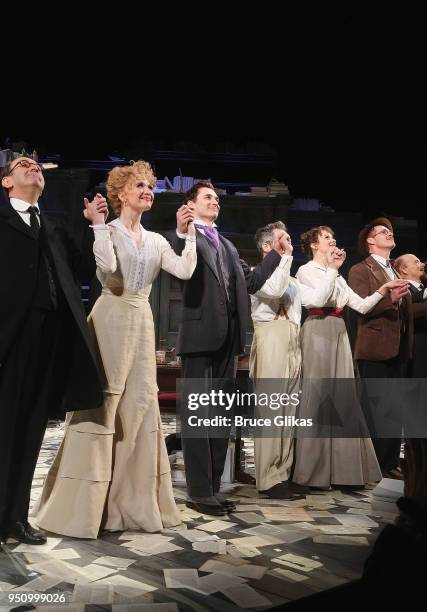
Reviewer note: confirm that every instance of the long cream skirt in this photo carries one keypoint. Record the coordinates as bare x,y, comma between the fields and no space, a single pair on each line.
112,470
275,354
326,353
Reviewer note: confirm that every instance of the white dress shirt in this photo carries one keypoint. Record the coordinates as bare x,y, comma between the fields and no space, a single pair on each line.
282,294
139,267
383,263
21,208
312,273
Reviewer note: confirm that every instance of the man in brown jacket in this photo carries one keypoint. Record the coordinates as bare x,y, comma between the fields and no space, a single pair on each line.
385,334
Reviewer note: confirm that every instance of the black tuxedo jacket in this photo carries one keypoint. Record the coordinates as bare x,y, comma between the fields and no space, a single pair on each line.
204,319
418,366
19,257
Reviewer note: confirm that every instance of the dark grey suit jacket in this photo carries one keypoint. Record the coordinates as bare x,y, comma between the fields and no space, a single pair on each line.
204,322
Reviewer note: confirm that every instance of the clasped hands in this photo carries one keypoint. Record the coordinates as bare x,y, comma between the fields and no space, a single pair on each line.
96,211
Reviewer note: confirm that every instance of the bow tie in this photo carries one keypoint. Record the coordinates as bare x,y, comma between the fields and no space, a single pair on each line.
211,234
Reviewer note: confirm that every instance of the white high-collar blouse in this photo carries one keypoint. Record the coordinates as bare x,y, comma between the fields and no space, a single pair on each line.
312,273
116,251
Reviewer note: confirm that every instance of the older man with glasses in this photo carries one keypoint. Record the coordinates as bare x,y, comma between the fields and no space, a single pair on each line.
47,363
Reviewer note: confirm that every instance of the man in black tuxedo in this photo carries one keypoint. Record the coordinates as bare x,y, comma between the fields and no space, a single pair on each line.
212,332
47,362
413,270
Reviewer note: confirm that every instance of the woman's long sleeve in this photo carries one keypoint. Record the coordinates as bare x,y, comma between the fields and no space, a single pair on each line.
103,249
182,266
362,305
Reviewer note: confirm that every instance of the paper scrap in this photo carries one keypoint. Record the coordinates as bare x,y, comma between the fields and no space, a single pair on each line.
40,584
312,500
42,548
215,526
217,582
249,517
298,562
343,540
59,569
93,593
242,552
247,508
216,547
342,530
195,535
355,520
181,578
63,554
278,572
244,571
245,597
117,562
126,586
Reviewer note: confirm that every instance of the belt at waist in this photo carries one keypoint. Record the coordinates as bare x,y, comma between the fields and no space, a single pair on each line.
326,312
136,297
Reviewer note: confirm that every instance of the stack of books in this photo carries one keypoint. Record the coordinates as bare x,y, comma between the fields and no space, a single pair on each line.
277,188
259,191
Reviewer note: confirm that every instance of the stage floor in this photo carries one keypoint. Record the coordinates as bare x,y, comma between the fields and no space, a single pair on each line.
296,548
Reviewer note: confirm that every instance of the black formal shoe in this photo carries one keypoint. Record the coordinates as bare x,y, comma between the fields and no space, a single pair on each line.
279,491
23,532
296,488
227,504
395,474
203,508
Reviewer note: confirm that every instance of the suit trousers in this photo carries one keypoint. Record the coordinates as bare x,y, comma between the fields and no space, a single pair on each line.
205,457
31,381
386,449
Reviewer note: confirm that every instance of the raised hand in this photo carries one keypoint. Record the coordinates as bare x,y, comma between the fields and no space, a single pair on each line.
184,217
96,211
285,244
398,293
335,257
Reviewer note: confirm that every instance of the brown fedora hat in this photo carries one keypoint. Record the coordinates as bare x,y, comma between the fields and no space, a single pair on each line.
362,247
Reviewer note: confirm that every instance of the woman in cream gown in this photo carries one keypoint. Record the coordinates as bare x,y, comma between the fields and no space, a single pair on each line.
112,470
326,354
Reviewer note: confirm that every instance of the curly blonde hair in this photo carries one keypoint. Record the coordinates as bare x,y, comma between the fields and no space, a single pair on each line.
122,176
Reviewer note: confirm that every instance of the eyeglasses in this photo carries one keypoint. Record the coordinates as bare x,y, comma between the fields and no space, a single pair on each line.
27,164
384,231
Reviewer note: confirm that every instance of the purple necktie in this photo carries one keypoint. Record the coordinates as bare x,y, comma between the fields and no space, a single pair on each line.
211,234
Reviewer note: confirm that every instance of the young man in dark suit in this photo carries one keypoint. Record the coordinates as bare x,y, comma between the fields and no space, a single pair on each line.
47,362
384,335
212,332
